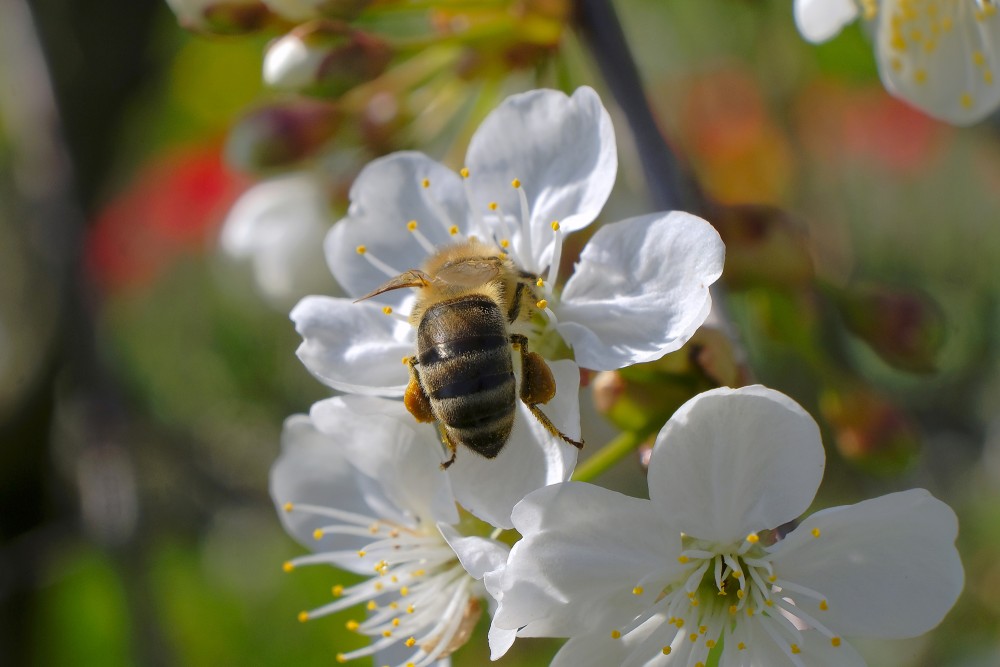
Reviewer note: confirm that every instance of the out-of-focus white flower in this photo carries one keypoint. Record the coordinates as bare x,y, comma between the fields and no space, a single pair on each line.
940,55
279,226
686,575
540,166
369,497
221,16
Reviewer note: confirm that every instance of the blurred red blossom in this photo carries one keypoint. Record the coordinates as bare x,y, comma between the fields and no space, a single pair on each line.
172,206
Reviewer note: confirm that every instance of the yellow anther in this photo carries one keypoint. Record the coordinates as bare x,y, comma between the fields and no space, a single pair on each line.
419,573
395,622
395,531
362,553
679,623
361,249
515,183
733,609
318,534
683,560
769,603
372,605
464,171
946,23
426,183
542,305
341,658
410,664
987,76
753,538
337,590
387,633
667,650
737,574
835,641
920,76
410,609
815,532
773,578
555,225
412,225
750,611
352,625
288,507
410,642
615,634
393,605
710,643
492,205
741,646
699,664
795,649
303,616
406,362
288,566
740,594
502,255
453,230
394,579
374,528
693,636
378,586
404,591
504,243
897,64
824,605
702,629
539,283
694,602
966,100
637,590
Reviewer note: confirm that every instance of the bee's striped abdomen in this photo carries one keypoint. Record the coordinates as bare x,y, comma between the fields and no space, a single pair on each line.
465,369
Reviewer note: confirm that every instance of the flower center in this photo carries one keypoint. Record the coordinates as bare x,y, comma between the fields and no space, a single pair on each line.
719,589
419,594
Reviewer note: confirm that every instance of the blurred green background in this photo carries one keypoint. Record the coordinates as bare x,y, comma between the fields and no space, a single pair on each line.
144,379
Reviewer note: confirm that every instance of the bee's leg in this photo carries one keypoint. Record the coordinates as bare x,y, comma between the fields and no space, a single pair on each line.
415,399
538,386
446,439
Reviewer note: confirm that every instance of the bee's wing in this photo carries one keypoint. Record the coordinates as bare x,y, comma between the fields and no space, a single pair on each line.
470,272
411,278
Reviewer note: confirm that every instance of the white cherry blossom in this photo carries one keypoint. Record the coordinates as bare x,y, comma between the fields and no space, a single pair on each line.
940,55
540,166
278,225
370,498
690,573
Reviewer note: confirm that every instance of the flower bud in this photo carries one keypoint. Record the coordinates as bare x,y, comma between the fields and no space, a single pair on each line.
905,328
868,430
764,246
304,10
642,397
223,17
281,134
324,58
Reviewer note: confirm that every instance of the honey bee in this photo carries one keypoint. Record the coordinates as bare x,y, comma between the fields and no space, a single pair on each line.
462,376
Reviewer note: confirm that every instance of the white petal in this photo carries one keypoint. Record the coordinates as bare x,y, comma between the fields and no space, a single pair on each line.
353,347
312,469
401,456
388,194
820,20
640,289
735,461
583,551
762,651
279,224
947,64
888,566
561,148
500,641
531,459
478,555
601,650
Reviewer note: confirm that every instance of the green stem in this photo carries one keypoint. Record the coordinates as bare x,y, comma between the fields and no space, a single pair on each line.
608,455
